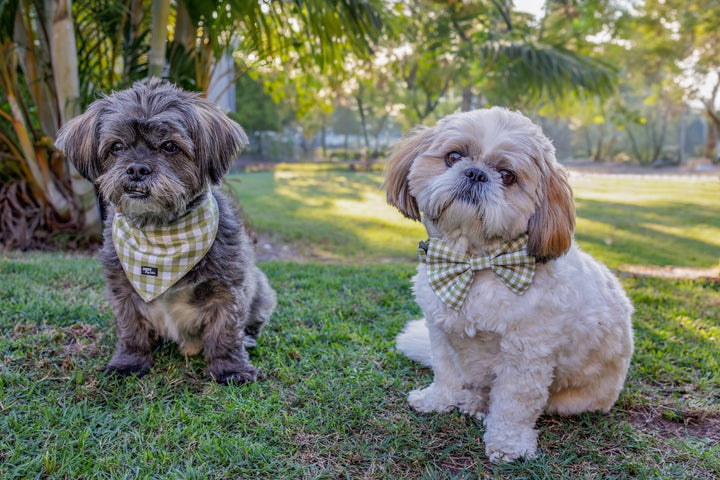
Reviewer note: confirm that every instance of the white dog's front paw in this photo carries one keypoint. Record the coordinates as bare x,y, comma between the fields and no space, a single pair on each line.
508,447
497,456
472,403
431,399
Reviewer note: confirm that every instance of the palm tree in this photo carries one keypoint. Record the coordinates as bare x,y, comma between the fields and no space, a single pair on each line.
41,194
490,54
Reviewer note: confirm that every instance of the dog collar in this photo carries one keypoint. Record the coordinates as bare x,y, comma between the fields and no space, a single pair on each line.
155,258
451,274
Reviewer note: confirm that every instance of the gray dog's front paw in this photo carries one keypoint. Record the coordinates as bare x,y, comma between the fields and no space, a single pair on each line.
233,374
125,365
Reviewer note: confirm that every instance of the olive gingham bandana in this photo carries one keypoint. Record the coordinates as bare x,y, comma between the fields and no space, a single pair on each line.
155,258
451,274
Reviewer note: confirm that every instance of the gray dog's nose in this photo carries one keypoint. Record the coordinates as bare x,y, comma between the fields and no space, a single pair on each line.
138,170
476,175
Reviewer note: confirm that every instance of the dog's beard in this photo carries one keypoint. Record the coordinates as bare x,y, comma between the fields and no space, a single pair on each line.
480,211
157,200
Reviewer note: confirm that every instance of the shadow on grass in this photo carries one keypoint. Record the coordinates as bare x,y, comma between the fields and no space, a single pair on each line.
330,216
343,216
660,234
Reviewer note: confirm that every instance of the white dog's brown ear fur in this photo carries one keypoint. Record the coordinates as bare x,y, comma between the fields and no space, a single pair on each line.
398,168
218,139
550,229
77,139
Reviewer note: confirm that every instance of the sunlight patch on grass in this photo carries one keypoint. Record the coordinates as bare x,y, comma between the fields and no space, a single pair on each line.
698,232
645,190
332,214
329,215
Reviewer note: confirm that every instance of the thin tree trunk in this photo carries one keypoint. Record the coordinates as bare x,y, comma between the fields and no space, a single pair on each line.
160,18
39,175
363,120
634,146
681,141
32,56
67,87
184,29
467,98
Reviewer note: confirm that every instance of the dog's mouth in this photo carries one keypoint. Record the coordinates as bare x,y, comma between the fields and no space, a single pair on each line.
470,193
137,192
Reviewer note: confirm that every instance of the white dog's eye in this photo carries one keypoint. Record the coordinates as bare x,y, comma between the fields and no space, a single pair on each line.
169,147
508,177
452,158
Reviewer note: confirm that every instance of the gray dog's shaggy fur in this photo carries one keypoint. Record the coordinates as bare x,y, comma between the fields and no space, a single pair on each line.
182,145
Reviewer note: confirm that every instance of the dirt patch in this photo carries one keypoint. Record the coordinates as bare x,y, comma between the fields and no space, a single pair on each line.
698,169
669,423
268,249
672,272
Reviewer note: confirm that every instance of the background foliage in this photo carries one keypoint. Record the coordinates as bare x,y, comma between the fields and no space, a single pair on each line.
613,80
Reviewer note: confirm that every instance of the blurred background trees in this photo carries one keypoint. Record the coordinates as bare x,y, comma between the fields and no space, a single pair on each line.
609,80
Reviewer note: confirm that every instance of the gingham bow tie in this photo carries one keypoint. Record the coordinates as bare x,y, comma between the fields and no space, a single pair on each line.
451,274
155,258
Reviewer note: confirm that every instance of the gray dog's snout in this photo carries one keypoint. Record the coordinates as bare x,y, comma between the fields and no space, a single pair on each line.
138,171
476,175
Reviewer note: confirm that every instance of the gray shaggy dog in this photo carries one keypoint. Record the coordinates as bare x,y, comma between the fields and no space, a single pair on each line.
155,152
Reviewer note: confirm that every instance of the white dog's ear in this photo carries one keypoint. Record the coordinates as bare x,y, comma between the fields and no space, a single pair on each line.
550,229
78,140
218,139
398,168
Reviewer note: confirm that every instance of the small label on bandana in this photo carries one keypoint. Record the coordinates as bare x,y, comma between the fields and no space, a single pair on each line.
145,270
157,257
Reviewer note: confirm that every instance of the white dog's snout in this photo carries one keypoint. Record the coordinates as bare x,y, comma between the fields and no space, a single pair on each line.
476,175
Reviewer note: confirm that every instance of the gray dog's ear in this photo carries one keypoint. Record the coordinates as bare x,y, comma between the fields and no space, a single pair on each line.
218,139
77,139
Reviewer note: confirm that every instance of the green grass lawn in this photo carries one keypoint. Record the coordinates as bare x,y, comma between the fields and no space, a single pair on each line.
332,403
342,216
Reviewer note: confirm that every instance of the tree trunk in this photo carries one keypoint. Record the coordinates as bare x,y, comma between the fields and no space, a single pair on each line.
40,174
160,18
184,29
363,120
681,141
67,88
712,145
467,98
32,57
711,137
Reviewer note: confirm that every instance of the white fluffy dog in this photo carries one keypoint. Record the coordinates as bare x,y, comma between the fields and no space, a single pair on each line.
538,325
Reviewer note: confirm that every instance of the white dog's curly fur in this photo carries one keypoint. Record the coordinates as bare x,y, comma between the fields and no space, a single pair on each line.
478,180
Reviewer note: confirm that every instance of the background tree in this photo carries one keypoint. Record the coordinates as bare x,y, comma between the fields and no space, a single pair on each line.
478,52
693,26
39,197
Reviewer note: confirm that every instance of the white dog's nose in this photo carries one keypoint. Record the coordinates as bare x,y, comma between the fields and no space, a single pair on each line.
476,175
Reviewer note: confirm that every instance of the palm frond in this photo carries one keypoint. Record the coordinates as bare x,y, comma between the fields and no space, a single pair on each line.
545,70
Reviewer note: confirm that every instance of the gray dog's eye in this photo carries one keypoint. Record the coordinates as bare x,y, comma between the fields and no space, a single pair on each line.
116,147
169,147
452,158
